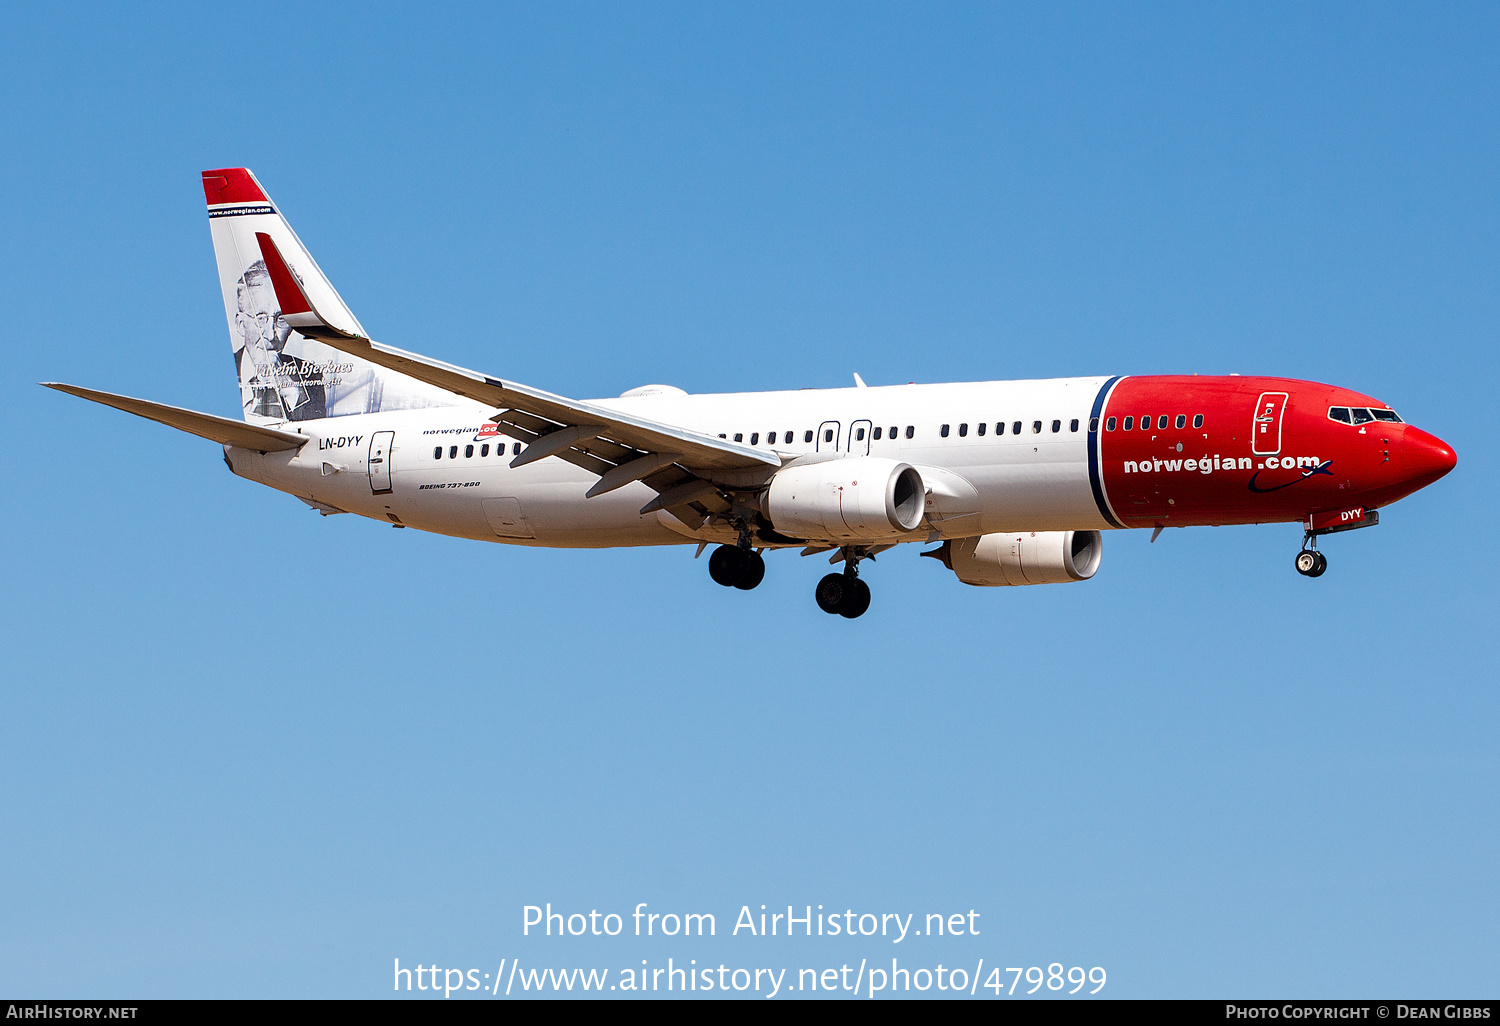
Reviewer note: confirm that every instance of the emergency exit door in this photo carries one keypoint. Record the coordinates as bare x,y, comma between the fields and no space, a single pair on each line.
379,463
859,438
828,436
1265,438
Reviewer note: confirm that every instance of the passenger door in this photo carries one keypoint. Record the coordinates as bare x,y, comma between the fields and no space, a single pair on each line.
379,462
1265,437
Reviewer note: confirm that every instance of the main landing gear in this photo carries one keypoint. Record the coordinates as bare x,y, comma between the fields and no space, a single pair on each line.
735,566
1311,562
845,594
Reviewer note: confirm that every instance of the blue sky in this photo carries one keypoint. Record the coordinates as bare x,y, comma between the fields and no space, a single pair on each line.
248,751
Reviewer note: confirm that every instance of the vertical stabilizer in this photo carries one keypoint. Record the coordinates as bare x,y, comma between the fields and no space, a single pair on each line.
283,374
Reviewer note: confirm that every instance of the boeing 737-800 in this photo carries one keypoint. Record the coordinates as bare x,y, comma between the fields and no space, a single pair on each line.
1013,482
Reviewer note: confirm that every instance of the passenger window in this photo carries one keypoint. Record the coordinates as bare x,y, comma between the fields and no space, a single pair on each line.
1161,422
1036,427
943,430
722,435
739,436
437,453
981,428
1056,426
1361,416
1129,423
893,432
1073,425
515,450
1387,415
1109,425
999,427
807,437
1015,428
788,438
876,435
1340,414
755,438
1146,423
859,436
453,452
1181,421
468,452
963,431
911,431
1198,420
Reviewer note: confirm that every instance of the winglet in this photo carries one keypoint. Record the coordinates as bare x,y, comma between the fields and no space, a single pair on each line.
289,292
296,307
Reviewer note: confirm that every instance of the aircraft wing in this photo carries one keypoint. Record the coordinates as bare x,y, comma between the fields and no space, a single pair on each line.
619,447
205,425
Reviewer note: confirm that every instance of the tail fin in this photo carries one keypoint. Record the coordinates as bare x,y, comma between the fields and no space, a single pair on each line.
284,375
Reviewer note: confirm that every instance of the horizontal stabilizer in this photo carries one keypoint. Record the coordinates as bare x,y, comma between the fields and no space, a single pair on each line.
205,425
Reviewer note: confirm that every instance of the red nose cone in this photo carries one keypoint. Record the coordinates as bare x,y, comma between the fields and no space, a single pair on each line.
1425,457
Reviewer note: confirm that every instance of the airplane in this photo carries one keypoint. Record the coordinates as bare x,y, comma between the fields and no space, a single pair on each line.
1013,482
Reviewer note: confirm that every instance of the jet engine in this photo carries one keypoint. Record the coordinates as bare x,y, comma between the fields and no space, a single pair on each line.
860,497
1023,557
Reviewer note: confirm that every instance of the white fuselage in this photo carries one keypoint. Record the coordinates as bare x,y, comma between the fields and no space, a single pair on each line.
440,480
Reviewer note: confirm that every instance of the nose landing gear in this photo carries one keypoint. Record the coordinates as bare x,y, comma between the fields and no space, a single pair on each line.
1311,562
845,594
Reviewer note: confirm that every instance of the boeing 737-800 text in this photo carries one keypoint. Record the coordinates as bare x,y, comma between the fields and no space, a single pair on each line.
1012,481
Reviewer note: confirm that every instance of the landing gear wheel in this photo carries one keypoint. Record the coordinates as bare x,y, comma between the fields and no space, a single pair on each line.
734,567
843,594
1311,563
752,570
856,598
830,593
726,565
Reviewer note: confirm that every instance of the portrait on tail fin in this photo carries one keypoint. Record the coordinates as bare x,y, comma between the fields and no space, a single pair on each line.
283,374
274,383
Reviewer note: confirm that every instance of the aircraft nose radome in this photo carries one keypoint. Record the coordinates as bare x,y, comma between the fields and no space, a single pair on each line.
1426,457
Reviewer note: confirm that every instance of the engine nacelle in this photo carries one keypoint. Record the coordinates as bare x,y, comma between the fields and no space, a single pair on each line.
1025,557
860,497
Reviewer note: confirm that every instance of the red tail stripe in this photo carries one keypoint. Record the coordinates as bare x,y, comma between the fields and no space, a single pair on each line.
231,185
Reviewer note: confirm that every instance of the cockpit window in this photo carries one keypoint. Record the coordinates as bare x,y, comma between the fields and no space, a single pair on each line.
1361,415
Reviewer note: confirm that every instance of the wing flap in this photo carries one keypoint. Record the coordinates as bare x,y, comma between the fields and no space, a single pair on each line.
553,412
600,439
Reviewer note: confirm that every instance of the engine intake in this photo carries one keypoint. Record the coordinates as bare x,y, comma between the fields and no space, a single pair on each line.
860,497
1023,557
